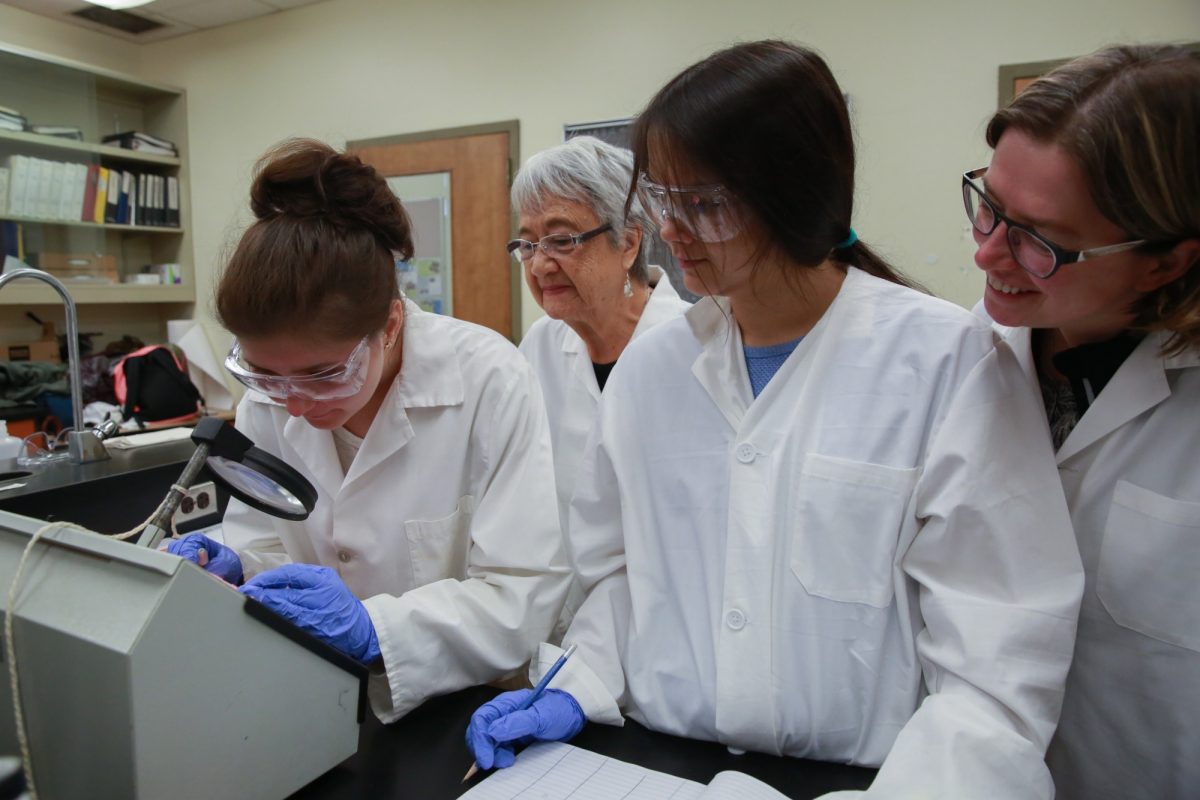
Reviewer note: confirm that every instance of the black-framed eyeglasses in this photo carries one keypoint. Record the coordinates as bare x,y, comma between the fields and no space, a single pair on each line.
556,244
1033,252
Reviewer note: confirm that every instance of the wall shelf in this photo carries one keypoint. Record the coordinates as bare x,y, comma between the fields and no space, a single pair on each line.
108,226
28,293
49,145
48,90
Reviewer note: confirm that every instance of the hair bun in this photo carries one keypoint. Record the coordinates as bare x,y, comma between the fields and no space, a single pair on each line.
304,178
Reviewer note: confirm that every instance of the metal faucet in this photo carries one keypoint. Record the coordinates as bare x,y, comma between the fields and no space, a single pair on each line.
84,445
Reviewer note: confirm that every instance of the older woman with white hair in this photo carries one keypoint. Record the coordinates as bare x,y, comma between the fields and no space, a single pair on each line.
585,263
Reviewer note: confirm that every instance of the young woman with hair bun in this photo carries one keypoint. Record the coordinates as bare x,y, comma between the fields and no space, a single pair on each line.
434,552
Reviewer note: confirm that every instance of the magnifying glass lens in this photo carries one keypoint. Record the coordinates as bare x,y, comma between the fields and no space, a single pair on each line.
257,485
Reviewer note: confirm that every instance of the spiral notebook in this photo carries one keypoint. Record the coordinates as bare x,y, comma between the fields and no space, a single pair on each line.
557,771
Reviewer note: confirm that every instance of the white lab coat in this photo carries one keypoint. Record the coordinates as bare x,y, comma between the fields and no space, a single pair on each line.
446,523
1131,718
793,574
564,369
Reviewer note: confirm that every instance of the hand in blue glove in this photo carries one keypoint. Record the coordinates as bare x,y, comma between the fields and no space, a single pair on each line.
315,599
215,557
499,726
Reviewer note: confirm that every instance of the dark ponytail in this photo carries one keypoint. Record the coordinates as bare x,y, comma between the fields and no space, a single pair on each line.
320,259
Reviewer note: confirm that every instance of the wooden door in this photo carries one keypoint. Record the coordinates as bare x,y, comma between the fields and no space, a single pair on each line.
478,161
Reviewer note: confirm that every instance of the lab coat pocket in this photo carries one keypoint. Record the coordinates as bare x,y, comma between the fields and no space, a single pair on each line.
845,526
1149,561
439,547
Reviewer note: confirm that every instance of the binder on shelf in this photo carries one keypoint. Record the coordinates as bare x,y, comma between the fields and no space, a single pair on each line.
91,184
79,189
18,197
12,242
101,196
59,131
4,184
112,197
123,198
63,174
159,203
135,217
173,201
142,142
143,200
12,120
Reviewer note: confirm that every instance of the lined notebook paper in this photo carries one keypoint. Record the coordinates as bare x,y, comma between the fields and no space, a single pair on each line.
558,771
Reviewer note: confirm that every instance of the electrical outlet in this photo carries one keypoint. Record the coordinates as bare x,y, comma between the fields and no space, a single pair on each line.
200,501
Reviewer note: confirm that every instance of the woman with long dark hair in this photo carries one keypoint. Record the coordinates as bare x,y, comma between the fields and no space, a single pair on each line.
817,515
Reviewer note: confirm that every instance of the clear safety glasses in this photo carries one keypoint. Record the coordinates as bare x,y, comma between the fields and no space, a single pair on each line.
1033,252
556,244
40,448
334,383
709,213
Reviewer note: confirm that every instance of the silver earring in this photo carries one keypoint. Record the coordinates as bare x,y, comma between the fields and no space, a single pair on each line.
628,290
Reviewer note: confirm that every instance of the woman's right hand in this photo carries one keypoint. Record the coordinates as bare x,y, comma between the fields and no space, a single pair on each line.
499,726
213,556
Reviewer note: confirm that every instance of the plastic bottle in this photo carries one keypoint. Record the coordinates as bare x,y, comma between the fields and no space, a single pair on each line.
10,446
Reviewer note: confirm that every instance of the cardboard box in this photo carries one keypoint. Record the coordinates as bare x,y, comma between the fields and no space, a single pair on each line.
44,350
33,351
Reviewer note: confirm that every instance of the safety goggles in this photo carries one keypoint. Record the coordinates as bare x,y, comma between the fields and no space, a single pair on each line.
1033,252
709,213
40,448
556,244
334,383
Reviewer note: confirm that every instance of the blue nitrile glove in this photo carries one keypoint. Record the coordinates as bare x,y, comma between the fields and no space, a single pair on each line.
316,600
497,726
220,560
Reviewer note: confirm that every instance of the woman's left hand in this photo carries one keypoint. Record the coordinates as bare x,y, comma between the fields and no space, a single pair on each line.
316,600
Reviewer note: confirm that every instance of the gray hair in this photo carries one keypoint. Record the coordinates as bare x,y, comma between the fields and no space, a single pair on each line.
588,171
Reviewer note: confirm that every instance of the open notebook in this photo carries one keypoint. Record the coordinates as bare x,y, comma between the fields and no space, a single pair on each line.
556,771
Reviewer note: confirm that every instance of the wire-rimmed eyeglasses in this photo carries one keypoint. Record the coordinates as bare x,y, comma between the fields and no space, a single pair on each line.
556,244
1033,252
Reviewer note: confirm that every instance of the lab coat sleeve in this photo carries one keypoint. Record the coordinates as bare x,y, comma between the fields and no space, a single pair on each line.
596,549
247,530
446,635
999,583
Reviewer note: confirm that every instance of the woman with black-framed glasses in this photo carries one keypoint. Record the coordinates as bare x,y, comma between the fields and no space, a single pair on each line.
797,519
1088,226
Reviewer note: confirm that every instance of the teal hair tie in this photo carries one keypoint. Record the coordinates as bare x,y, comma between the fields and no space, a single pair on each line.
849,240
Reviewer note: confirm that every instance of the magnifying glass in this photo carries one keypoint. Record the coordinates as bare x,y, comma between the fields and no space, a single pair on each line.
254,476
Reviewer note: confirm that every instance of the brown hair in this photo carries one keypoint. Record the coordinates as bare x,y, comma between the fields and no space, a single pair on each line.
1130,117
768,119
320,258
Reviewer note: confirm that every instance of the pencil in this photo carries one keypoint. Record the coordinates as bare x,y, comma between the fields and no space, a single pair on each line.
529,700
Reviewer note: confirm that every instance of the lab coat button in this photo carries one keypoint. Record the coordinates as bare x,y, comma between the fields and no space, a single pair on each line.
735,619
745,452
343,556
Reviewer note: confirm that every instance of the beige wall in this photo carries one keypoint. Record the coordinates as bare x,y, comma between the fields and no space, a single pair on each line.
922,76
